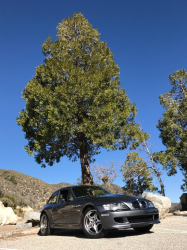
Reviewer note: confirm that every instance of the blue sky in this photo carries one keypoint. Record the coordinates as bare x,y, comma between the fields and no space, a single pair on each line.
148,40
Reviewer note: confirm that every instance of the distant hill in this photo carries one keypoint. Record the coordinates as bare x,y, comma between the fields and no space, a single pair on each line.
26,190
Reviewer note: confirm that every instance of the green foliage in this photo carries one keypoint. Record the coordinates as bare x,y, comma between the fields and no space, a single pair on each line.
173,126
9,177
74,105
167,160
7,200
137,176
19,212
22,203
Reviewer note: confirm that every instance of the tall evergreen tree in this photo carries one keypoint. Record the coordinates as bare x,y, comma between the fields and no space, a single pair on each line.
173,126
74,105
137,175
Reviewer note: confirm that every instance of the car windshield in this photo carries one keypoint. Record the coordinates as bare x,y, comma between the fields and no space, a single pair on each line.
82,191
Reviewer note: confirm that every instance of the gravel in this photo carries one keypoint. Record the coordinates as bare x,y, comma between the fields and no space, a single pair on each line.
170,234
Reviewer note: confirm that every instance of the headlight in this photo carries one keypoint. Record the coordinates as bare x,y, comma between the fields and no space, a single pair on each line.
115,206
150,204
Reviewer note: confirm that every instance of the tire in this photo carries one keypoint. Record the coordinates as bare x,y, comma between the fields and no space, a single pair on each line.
143,229
45,228
91,224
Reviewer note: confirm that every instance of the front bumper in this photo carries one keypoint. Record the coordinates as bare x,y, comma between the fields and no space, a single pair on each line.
128,219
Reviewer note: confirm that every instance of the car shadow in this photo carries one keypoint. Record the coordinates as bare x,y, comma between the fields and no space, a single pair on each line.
78,233
124,233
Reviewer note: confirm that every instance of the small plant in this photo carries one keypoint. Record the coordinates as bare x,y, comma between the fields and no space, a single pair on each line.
7,176
18,212
8,202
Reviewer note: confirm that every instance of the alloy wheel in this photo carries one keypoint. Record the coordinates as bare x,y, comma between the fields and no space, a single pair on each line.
44,224
92,222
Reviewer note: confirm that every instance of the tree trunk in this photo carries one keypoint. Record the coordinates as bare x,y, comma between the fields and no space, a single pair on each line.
87,178
162,191
155,170
140,191
157,173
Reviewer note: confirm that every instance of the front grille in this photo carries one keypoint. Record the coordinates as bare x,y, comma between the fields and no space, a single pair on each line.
139,204
143,203
137,219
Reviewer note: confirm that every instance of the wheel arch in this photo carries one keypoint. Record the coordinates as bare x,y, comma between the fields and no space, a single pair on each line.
90,205
48,215
43,212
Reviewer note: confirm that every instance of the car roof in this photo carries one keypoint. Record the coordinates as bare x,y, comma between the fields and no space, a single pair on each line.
69,187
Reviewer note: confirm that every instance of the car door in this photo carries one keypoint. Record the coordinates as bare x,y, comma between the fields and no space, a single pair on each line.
77,211
61,211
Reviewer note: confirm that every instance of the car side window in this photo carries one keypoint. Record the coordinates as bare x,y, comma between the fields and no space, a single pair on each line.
65,196
53,199
69,197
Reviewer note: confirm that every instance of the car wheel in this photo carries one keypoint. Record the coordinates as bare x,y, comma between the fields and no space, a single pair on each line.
143,229
91,224
44,225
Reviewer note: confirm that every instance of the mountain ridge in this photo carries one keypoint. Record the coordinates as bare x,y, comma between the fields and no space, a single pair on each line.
24,190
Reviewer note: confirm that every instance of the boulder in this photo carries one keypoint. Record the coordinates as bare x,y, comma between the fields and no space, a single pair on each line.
25,225
161,202
33,217
175,207
7,215
25,209
180,213
183,199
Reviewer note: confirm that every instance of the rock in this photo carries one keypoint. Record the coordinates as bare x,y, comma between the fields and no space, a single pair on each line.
175,207
161,202
183,199
25,225
7,215
27,209
33,217
180,213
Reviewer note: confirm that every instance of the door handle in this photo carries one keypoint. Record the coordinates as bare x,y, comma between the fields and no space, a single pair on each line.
75,206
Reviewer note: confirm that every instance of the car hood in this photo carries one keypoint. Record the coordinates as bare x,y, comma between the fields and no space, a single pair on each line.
113,198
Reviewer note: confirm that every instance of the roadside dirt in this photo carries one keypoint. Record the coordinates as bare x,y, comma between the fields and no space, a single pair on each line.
7,231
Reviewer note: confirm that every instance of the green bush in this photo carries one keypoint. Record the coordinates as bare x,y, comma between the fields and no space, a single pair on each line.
18,212
7,176
7,202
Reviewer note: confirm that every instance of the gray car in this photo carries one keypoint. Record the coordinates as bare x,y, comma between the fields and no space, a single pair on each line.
96,211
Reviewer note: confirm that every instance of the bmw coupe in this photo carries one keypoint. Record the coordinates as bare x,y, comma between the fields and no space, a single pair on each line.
96,211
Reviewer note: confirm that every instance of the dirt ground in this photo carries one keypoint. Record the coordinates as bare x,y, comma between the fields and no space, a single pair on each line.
7,228
170,234
11,231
